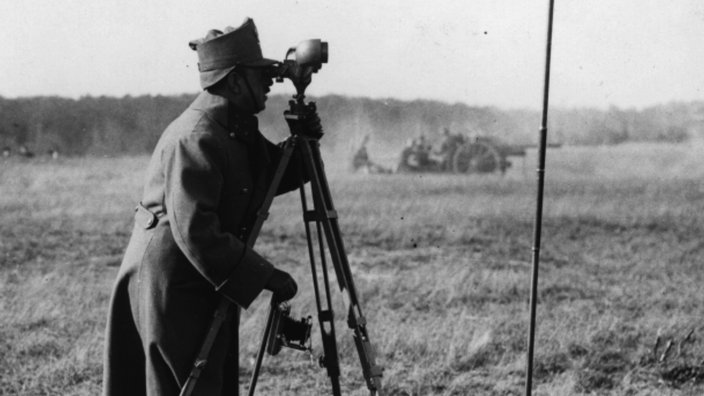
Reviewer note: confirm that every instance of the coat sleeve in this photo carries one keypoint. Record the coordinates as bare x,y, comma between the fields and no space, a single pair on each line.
295,173
194,181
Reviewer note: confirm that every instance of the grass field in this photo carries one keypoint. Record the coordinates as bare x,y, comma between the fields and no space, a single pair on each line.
441,263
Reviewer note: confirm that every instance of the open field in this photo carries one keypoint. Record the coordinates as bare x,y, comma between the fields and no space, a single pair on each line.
441,263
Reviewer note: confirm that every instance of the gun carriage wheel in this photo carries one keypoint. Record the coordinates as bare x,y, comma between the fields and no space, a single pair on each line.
477,157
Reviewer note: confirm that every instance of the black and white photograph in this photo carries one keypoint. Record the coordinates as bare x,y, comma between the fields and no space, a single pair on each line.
383,198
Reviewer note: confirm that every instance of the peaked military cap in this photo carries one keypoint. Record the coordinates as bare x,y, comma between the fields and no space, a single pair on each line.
220,52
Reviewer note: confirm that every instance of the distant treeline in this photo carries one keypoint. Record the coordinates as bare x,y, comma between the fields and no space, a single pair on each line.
132,125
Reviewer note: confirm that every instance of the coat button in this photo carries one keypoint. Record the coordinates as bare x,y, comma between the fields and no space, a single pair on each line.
232,135
245,190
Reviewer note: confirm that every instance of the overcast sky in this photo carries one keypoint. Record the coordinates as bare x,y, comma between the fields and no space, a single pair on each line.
628,53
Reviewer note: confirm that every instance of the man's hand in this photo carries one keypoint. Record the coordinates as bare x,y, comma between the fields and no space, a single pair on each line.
282,285
312,125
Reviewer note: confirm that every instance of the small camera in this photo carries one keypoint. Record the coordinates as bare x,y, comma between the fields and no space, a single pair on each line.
288,332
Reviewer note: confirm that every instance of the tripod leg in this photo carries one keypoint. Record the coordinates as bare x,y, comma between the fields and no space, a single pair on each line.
330,359
262,348
202,359
325,214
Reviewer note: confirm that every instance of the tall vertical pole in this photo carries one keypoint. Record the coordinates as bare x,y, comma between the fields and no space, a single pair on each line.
539,208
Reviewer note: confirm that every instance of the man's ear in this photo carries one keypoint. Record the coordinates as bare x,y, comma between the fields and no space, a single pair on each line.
233,82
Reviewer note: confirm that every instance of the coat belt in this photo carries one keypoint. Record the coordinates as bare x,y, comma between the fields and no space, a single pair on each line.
146,218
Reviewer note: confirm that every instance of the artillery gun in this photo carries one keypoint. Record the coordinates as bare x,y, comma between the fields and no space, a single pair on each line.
462,154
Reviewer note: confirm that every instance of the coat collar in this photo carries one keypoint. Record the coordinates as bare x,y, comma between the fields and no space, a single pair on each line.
245,126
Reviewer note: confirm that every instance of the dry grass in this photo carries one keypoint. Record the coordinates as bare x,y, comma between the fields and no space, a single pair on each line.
442,265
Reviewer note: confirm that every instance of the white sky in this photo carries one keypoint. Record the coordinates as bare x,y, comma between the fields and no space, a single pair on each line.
479,52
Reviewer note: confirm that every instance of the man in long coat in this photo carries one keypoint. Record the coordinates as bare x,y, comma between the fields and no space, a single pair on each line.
206,179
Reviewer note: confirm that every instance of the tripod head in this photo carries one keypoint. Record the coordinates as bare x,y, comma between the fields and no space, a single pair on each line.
298,66
300,63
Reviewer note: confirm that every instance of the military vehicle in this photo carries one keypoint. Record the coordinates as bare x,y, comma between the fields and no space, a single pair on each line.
460,154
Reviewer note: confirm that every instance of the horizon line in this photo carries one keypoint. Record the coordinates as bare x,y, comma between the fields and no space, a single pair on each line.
381,99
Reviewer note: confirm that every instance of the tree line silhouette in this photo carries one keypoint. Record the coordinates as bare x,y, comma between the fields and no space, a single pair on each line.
132,124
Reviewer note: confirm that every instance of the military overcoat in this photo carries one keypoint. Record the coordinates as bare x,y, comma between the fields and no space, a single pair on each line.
206,179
